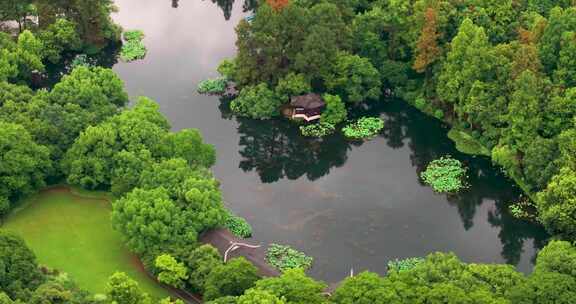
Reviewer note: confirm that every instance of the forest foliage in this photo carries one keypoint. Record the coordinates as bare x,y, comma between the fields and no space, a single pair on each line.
501,71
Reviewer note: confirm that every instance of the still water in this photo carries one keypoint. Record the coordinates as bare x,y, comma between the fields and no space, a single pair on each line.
347,204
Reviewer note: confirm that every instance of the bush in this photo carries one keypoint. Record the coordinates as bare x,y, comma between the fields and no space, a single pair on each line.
230,279
292,85
365,127
283,258
171,272
445,175
200,262
133,47
317,130
439,114
258,102
403,265
238,226
212,86
420,103
134,35
335,111
227,68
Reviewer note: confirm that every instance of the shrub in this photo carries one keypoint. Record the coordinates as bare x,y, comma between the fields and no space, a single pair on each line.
200,262
283,258
420,103
445,175
227,68
292,85
258,102
212,86
403,265
133,47
439,114
365,127
317,130
335,111
238,226
134,35
230,279
171,272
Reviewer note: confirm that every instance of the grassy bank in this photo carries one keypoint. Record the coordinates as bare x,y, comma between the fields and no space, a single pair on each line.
71,231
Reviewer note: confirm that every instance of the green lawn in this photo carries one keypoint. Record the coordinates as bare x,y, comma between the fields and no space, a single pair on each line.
71,231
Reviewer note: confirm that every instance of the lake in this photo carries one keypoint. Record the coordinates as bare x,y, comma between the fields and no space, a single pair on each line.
350,205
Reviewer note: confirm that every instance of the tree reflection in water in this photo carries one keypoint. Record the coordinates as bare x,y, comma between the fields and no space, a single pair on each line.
227,5
275,150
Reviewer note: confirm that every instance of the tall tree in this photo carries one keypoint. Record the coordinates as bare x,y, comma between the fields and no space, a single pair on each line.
557,204
560,21
427,49
354,78
469,60
525,109
16,10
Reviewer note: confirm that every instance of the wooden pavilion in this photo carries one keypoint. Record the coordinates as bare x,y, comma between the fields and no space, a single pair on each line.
308,107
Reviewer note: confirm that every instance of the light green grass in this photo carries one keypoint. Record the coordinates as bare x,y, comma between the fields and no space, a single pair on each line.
72,233
467,144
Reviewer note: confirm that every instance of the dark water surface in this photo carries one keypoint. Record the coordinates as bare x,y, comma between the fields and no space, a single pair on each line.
349,205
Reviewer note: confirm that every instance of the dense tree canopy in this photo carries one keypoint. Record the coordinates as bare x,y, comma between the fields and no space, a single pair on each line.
230,279
19,273
151,222
122,146
24,164
201,261
293,286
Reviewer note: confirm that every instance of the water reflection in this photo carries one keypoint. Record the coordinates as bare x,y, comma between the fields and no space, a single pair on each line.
514,233
227,5
275,150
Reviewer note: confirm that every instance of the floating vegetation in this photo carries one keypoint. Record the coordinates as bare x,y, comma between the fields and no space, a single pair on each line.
317,130
403,265
213,86
365,127
445,175
133,47
283,258
523,209
238,226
